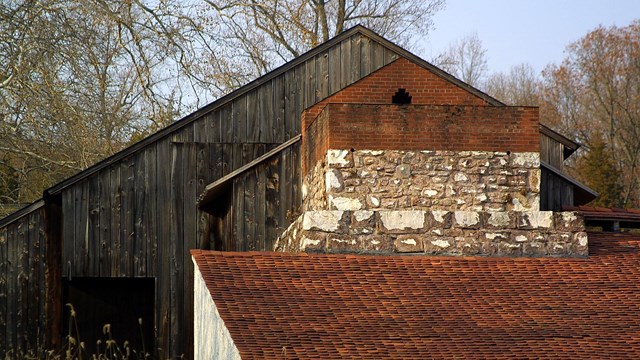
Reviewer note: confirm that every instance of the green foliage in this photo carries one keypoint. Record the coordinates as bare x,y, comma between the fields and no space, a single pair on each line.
598,170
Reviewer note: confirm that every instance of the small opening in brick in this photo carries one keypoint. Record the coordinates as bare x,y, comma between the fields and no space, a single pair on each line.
401,97
353,150
508,152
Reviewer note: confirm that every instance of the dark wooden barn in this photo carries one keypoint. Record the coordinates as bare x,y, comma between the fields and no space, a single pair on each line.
128,222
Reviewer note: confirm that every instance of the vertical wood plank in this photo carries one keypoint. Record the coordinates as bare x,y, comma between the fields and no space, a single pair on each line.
201,129
81,251
139,238
377,56
105,223
22,269
300,72
33,278
389,56
177,232
239,153
345,63
260,201
356,63
127,214
226,123
322,76
365,56
4,288
239,119
277,108
290,96
163,266
266,115
189,239
213,127
204,168
12,284
335,69
151,221
310,83
41,265
254,117
272,202
94,233
116,205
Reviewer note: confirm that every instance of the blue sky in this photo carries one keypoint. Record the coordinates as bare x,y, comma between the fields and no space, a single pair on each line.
525,31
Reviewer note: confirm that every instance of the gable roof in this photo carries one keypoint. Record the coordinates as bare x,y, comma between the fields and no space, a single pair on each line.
358,29
354,306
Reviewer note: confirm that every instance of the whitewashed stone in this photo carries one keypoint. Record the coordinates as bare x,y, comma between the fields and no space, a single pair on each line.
526,159
537,220
460,177
402,219
333,180
441,243
467,219
439,215
345,203
324,220
338,158
499,219
362,215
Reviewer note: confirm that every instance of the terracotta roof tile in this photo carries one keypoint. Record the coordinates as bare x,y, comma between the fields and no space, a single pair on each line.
321,306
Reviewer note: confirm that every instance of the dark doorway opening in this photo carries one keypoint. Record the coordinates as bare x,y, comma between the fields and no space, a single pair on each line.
126,304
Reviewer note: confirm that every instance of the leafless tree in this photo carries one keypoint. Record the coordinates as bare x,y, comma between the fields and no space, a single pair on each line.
465,59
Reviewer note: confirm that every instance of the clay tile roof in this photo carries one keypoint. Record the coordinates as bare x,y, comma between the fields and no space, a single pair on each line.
322,306
602,213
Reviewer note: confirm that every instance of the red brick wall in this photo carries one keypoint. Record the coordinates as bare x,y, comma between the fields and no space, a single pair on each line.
420,127
424,87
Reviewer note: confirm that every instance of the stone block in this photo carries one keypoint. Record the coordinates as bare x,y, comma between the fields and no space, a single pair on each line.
498,220
333,181
535,220
363,222
339,158
519,236
326,220
508,248
436,245
439,219
382,244
535,249
467,219
559,244
470,243
343,243
402,221
409,244
568,221
403,171
581,243
345,203
313,241
528,160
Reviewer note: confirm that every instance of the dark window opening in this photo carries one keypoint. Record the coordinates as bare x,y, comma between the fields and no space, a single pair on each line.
401,97
120,302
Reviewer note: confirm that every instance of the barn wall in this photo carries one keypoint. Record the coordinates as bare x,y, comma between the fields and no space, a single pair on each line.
551,151
137,217
22,285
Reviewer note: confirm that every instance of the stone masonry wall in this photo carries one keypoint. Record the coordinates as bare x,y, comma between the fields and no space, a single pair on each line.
435,180
438,232
430,202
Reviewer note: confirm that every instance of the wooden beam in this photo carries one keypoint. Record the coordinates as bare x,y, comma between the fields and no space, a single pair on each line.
212,190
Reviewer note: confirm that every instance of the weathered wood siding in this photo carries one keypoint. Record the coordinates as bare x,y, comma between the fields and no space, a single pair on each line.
551,151
555,191
22,285
138,216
